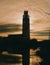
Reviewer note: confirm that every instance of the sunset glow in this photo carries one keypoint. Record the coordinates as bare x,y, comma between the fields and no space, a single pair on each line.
11,12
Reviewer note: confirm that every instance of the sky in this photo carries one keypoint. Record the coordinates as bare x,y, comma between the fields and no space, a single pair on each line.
11,12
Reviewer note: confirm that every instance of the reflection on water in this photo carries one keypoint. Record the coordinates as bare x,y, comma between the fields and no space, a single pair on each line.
10,64
10,59
34,60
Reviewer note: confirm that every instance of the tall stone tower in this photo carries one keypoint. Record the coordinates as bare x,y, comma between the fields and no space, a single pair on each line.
26,26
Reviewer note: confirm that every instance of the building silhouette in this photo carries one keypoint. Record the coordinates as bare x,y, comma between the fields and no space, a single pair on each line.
25,28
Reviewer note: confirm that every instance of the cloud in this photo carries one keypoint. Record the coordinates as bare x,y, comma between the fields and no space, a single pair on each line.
41,33
10,28
41,24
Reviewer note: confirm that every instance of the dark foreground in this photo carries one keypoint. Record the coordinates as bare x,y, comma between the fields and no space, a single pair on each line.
14,46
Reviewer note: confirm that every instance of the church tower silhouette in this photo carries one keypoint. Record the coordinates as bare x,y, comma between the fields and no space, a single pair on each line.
26,25
25,28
